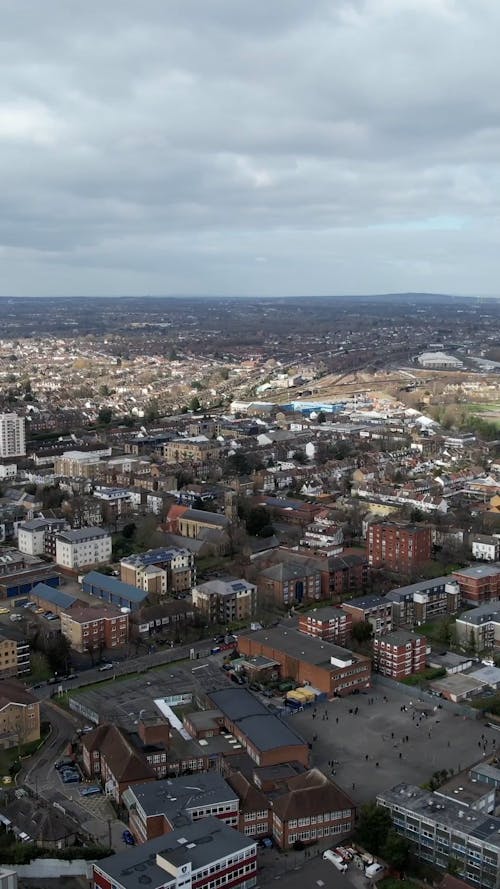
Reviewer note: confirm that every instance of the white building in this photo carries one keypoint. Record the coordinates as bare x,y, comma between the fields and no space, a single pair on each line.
12,436
33,536
486,547
439,361
83,547
8,470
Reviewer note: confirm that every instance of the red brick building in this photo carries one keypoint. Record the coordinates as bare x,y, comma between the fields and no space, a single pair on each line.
310,807
375,610
327,667
254,816
478,584
111,758
267,739
94,629
331,624
157,808
398,547
204,854
399,654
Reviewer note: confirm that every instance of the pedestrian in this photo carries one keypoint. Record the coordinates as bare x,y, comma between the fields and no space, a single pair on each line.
376,765
366,757
400,754
353,786
337,720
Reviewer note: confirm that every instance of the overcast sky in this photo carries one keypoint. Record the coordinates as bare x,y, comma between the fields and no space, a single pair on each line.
239,147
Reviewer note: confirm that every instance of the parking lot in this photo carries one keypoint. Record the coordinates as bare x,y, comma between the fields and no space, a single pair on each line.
370,750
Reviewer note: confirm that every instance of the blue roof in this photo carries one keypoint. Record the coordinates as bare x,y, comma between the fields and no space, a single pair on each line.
115,586
55,596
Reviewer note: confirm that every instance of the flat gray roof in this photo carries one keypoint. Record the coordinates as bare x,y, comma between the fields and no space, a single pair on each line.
423,803
209,840
174,797
302,646
262,727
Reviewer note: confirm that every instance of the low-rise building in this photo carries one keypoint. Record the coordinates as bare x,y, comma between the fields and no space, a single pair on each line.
479,629
225,601
160,571
82,548
485,547
114,591
478,584
329,668
157,808
110,757
309,807
265,737
95,629
423,601
38,537
376,610
19,714
399,654
290,582
14,657
52,598
331,624
204,854
440,828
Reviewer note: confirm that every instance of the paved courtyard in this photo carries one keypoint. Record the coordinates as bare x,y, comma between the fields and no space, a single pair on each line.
368,748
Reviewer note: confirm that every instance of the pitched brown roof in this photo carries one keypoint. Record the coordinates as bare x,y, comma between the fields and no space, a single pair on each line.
13,692
309,794
122,758
251,798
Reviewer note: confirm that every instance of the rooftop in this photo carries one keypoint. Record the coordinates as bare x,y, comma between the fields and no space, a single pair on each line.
303,647
115,586
200,843
478,571
263,729
421,587
443,811
177,796
80,534
53,595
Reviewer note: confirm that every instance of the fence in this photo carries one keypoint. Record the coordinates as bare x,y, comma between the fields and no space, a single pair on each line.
418,694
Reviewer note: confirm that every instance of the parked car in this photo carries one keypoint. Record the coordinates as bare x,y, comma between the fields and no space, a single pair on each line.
128,838
105,667
93,790
70,777
65,763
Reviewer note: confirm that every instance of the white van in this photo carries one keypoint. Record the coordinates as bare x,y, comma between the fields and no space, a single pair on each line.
335,859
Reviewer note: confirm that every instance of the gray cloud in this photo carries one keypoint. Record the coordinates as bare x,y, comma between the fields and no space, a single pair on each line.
213,146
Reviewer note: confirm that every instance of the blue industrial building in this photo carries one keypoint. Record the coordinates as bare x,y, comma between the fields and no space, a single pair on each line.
114,591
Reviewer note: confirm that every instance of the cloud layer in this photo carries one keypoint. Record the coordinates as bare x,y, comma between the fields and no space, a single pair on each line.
271,147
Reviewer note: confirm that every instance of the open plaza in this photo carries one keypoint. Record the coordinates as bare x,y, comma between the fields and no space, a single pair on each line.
389,740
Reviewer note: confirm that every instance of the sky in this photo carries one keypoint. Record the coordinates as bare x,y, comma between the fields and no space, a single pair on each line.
228,147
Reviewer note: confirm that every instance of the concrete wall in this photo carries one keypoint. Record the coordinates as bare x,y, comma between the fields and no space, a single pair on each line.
414,693
42,868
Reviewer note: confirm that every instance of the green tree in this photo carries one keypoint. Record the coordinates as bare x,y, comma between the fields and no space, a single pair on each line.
151,411
373,827
258,522
194,404
321,418
396,851
362,631
105,416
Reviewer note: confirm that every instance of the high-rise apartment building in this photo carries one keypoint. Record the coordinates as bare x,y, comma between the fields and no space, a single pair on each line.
12,436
